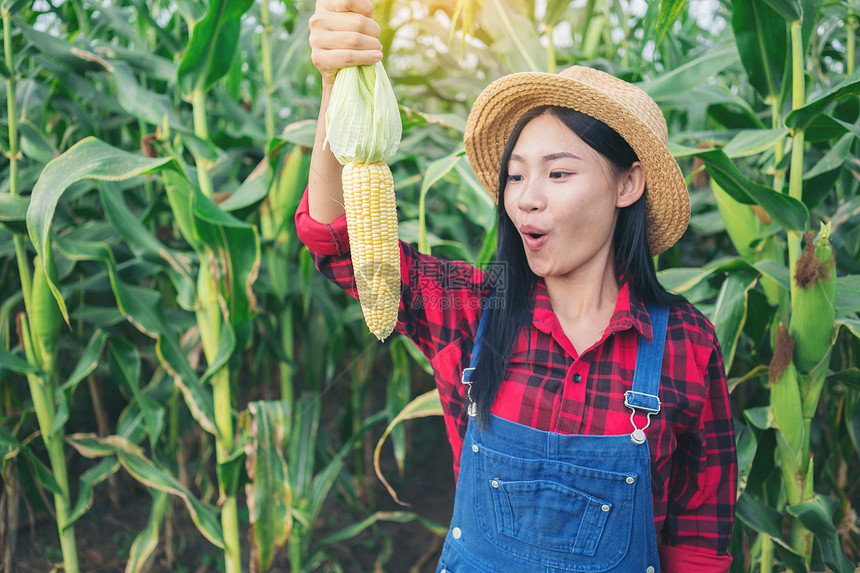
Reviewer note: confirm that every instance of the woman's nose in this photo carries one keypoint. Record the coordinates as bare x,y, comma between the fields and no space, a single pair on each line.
531,197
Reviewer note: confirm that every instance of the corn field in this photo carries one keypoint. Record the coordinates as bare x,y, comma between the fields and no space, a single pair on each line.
163,332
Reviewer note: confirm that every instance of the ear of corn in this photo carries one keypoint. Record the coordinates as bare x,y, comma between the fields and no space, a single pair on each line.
813,308
363,130
46,319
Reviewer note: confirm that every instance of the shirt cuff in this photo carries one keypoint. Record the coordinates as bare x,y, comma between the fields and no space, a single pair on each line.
685,559
321,238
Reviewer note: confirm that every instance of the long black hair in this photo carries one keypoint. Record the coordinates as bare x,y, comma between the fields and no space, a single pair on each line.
511,308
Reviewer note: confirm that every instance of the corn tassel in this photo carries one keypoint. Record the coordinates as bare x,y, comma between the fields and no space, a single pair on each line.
813,309
363,130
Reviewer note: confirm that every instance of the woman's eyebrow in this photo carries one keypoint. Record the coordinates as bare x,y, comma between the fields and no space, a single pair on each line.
546,158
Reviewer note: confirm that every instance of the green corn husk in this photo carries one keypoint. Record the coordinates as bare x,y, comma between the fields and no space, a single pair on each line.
813,309
742,224
46,320
363,121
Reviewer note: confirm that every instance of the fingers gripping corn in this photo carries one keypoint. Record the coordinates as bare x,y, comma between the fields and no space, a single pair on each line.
363,129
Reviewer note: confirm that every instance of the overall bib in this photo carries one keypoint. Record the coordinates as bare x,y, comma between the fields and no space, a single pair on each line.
530,501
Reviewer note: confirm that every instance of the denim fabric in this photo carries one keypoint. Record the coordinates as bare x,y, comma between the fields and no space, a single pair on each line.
533,501
544,502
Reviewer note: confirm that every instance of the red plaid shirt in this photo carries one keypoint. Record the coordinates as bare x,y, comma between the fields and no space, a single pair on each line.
552,387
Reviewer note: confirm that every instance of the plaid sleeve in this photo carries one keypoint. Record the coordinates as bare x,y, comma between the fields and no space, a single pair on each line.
701,497
440,300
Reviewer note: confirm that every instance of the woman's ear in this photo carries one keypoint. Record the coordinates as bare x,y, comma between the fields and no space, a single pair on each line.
631,185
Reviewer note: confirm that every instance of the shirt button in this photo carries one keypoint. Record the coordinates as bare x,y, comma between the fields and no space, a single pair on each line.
577,377
649,570
630,479
606,508
475,448
458,534
494,483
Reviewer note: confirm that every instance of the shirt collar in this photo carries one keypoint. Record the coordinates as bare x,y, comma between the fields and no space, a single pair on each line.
630,311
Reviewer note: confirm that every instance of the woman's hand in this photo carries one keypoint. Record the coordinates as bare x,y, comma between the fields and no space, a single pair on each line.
343,33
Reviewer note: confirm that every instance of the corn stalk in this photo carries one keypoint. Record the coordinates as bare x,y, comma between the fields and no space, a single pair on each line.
39,331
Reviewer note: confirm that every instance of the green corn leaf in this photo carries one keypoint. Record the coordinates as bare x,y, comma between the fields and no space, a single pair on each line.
747,444
90,158
730,313
754,142
775,271
790,213
147,540
89,479
803,117
325,479
154,66
143,308
213,42
87,362
435,171
670,11
514,37
398,395
76,56
791,10
16,364
766,520
230,244
555,10
157,109
766,62
820,180
302,449
817,516
142,469
125,363
427,404
394,516
268,490
848,293
192,10
13,208
690,75
760,517
142,242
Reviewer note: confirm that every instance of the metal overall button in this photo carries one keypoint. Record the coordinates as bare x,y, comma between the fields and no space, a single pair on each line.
457,534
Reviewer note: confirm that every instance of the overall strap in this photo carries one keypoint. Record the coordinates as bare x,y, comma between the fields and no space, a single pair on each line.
645,394
476,352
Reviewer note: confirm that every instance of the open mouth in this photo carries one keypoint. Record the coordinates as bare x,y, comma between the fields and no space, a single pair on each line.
535,235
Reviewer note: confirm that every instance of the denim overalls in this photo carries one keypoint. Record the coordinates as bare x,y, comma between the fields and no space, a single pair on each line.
534,501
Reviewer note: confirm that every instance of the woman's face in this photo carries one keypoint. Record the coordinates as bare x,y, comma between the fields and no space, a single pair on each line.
563,198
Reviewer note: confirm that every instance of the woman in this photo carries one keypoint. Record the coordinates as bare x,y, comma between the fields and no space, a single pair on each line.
570,375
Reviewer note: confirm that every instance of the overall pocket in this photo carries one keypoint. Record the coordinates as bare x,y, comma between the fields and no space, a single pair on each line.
552,513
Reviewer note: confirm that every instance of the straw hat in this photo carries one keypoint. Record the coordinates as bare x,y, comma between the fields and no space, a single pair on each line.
620,105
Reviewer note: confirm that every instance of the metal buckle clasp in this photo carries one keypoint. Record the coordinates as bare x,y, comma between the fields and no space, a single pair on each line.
638,434
472,408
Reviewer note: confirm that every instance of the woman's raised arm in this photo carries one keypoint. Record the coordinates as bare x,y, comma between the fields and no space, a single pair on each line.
342,33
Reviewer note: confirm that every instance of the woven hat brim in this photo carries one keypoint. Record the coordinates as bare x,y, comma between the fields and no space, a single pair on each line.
500,105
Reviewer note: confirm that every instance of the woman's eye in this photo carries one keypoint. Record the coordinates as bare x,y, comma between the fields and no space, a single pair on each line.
558,174
514,178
